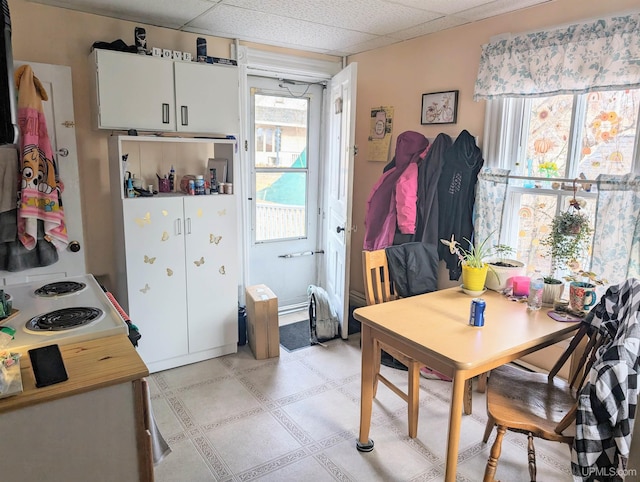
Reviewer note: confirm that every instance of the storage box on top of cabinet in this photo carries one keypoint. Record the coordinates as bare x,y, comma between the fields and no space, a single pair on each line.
142,92
177,256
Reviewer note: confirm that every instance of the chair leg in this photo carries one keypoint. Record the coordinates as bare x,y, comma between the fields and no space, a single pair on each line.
531,452
492,463
468,397
413,399
489,428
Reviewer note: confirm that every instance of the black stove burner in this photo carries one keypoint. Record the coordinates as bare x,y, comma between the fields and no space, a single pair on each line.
59,288
63,319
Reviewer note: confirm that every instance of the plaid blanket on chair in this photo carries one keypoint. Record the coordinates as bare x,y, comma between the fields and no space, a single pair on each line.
607,402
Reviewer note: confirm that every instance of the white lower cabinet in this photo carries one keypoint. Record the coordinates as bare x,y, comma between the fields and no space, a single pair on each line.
177,257
181,275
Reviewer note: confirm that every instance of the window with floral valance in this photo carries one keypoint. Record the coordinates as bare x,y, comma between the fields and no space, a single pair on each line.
564,105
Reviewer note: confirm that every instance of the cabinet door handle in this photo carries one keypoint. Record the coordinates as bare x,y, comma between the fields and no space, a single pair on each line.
188,228
165,113
184,115
179,226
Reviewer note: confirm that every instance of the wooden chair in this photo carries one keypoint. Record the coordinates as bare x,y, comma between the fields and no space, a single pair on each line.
536,404
378,289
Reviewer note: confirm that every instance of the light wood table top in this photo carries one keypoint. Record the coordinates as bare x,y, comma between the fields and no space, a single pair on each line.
434,329
90,365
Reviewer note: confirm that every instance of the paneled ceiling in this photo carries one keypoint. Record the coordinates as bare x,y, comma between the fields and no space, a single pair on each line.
334,27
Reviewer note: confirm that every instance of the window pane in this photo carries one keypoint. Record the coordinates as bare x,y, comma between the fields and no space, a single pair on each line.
609,133
280,131
535,214
548,136
281,205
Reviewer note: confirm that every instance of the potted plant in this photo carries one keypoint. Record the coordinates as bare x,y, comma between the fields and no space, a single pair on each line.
472,260
503,268
569,237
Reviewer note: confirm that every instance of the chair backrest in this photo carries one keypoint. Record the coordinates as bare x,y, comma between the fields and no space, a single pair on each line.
584,346
378,287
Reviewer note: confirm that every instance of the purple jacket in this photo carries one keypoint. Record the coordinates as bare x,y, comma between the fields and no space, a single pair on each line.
392,201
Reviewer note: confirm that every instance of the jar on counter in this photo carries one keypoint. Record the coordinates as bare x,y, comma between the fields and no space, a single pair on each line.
191,189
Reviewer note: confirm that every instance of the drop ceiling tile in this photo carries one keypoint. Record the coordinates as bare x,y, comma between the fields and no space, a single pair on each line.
498,7
253,26
163,13
445,6
368,16
441,23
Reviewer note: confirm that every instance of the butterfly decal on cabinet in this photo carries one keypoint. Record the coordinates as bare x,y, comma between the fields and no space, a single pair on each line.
199,262
169,272
144,220
222,270
145,289
199,213
213,239
222,212
165,236
149,260
165,213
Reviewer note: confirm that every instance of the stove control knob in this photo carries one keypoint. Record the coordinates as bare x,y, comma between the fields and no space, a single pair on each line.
74,246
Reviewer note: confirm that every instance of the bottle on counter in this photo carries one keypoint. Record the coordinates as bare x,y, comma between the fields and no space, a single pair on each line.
172,177
536,286
130,191
199,185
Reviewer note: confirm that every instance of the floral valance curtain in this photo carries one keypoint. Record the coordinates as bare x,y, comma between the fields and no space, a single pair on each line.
599,55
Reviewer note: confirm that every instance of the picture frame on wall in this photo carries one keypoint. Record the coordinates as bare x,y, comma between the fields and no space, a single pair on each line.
439,107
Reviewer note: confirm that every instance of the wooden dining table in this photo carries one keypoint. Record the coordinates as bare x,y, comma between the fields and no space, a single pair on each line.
434,329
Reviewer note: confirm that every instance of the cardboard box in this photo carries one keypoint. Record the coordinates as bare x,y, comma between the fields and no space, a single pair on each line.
262,322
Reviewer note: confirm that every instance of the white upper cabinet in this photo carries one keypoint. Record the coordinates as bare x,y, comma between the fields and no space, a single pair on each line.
207,98
155,94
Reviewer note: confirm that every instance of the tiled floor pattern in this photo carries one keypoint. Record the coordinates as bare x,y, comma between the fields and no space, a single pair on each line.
296,418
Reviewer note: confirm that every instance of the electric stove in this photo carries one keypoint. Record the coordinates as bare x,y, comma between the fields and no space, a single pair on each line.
60,312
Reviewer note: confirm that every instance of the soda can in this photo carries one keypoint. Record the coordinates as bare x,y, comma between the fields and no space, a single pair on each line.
476,317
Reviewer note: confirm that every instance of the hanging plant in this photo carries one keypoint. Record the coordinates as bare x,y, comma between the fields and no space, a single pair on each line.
569,238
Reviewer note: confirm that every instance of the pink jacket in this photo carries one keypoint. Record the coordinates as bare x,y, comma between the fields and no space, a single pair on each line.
392,201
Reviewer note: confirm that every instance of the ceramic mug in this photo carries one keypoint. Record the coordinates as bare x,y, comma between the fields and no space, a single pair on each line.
582,296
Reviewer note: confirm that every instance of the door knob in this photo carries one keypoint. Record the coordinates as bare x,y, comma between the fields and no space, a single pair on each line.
338,229
63,152
74,246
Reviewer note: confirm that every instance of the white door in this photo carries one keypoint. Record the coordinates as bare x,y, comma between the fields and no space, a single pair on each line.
284,159
58,111
341,125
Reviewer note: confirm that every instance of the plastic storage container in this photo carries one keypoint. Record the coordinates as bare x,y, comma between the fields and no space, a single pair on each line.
536,286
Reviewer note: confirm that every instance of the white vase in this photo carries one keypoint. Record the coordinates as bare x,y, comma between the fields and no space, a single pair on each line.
500,277
551,292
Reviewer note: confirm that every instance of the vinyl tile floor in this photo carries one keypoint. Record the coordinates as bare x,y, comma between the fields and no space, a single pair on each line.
296,418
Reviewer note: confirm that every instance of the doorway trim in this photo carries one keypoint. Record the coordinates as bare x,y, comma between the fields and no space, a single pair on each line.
275,65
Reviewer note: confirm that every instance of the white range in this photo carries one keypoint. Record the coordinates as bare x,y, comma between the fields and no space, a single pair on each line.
60,312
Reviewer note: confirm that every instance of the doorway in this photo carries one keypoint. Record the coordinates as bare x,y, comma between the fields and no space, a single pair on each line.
283,158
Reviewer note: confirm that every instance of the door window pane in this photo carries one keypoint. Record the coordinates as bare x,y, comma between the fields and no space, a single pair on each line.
280,205
281,169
